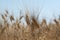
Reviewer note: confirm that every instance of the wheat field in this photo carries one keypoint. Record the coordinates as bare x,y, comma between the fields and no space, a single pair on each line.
33,31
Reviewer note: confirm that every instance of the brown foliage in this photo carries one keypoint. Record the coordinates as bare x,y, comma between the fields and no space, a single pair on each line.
33,30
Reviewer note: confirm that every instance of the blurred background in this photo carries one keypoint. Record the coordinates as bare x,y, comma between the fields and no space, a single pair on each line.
48,9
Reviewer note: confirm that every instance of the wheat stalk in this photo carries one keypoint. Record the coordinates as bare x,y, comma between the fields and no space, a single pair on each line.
11,18
33,31
27,19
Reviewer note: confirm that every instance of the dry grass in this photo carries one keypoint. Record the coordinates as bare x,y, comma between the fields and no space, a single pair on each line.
33,30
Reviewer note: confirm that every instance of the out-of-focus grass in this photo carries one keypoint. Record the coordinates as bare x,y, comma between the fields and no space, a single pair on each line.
33,30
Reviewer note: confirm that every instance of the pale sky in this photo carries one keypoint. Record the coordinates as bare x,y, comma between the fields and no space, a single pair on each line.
50,8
